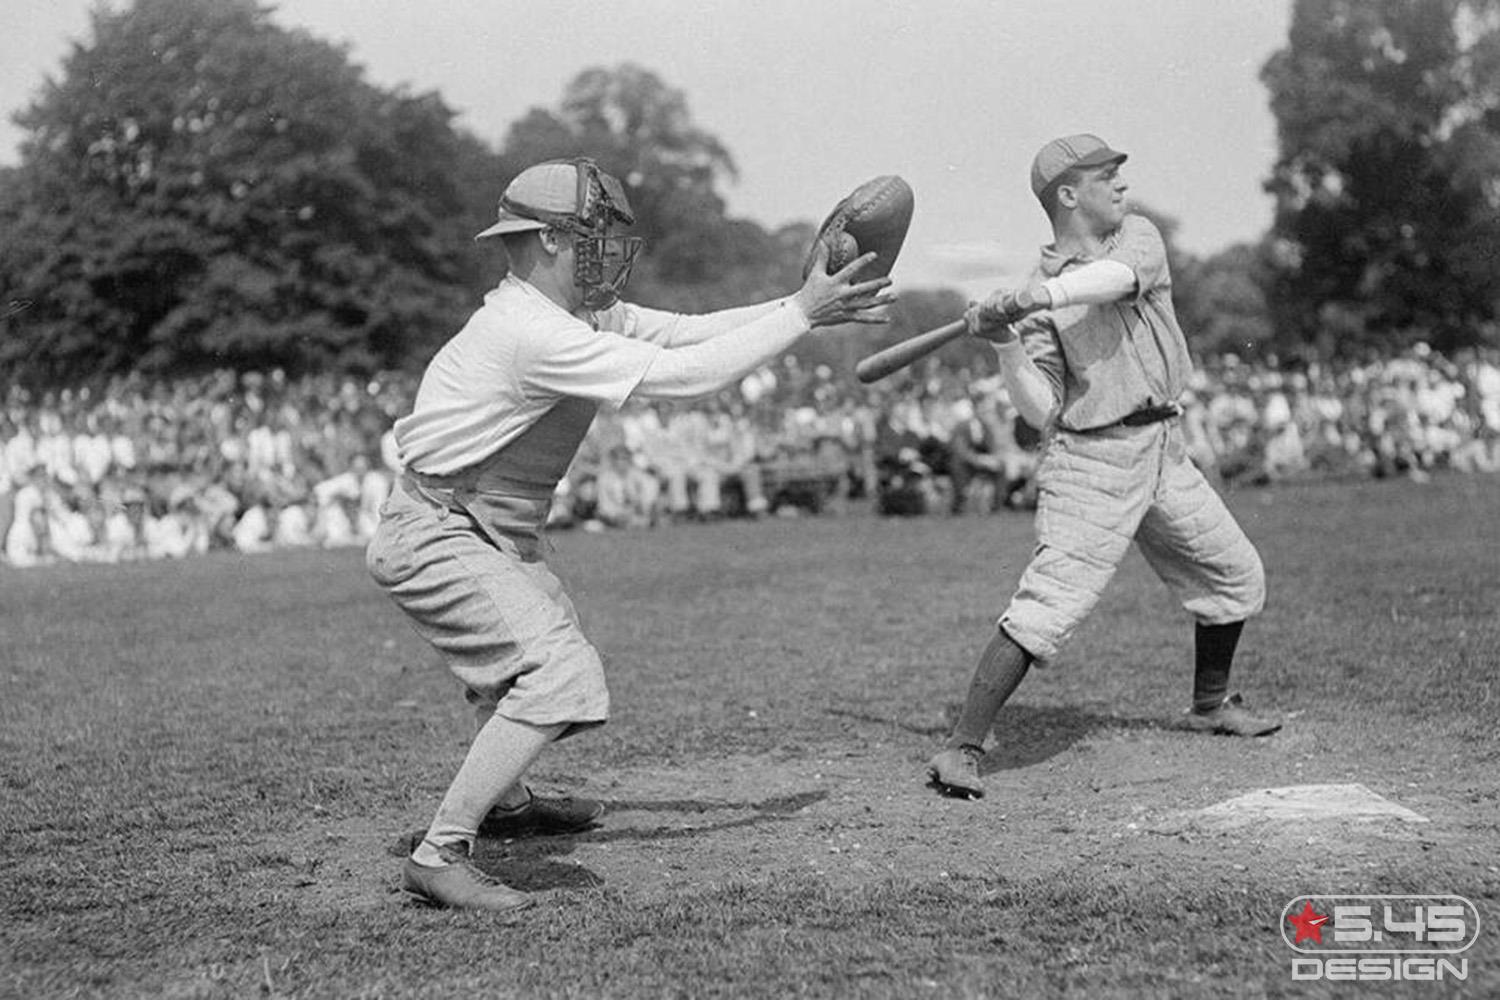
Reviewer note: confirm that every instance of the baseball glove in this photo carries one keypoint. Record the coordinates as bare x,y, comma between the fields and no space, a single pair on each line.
874,217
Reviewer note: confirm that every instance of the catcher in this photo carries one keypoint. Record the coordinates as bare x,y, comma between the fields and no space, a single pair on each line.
1091,350
499,414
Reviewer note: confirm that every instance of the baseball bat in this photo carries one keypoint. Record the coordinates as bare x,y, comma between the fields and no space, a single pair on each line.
882,363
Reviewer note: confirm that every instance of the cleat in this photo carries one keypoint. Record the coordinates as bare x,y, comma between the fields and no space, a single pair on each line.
955,772
542,816
1229,718
459,884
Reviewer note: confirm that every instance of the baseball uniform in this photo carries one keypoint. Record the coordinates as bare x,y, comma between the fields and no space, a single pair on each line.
1116,467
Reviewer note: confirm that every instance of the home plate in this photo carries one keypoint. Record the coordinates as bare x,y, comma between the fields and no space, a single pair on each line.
1303,803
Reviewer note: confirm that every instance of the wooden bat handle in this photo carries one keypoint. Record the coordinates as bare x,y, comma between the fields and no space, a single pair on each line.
882,363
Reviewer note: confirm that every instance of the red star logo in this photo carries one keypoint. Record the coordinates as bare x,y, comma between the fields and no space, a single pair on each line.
1309,924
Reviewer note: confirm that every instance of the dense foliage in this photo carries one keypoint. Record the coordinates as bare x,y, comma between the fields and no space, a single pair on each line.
1388,184
204,188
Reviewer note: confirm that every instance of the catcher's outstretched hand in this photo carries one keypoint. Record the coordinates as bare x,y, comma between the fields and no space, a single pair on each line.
832,299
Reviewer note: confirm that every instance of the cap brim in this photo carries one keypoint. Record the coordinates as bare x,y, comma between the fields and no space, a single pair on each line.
511,224
1102,157
1098,158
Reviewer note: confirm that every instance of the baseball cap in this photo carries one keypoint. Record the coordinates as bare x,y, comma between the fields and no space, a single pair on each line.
1070,151
550,187
548,193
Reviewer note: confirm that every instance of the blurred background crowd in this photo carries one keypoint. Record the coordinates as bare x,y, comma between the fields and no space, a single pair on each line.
254,462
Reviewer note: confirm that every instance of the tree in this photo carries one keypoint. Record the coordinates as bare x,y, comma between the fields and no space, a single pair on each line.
1221,303
203,188
1387,225
640,130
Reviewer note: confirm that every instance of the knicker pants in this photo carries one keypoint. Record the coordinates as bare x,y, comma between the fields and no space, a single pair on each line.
493,608
1099,491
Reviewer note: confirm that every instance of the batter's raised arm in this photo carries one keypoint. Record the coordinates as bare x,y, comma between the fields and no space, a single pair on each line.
1036,397
1091,284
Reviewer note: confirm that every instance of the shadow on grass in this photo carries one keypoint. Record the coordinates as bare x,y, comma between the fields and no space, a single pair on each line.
930,729
527,863
778,805
1024,735
535,870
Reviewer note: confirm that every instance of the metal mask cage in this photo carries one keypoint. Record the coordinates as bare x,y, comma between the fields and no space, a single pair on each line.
611,194
601,266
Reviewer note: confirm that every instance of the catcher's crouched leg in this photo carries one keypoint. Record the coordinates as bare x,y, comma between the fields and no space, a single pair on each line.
502,621
512,637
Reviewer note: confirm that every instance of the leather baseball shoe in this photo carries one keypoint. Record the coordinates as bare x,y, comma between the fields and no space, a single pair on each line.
1230,718
955,772
459,884
542,816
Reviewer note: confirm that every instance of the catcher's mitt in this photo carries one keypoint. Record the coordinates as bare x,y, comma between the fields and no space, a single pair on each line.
874,217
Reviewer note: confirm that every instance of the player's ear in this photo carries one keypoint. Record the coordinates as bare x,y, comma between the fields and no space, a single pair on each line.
550,241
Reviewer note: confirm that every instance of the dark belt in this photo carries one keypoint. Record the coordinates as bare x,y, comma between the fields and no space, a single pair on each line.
480,481
1151,415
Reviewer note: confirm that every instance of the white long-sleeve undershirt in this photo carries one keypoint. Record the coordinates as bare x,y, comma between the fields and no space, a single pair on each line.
709,365
689,330
1030,390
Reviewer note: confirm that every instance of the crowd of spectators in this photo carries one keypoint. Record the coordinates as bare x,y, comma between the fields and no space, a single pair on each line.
146,470
253,462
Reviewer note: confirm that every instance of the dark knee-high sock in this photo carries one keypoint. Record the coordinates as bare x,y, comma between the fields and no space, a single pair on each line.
1213,654
1000,669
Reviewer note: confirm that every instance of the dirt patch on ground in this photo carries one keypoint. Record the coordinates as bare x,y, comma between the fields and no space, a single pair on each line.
1130,797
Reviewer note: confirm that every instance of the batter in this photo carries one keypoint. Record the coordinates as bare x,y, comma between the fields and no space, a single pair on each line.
1091,350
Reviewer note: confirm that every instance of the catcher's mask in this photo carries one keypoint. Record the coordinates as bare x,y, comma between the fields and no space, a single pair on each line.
601,262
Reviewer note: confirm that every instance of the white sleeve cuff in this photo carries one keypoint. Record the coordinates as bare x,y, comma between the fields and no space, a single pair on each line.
1091,284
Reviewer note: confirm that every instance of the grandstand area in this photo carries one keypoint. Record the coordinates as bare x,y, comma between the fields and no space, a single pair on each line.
136,469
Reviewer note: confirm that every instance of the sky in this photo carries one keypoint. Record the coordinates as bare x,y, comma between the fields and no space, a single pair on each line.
813,97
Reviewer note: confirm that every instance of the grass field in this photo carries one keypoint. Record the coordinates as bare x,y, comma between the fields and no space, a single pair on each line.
206,766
